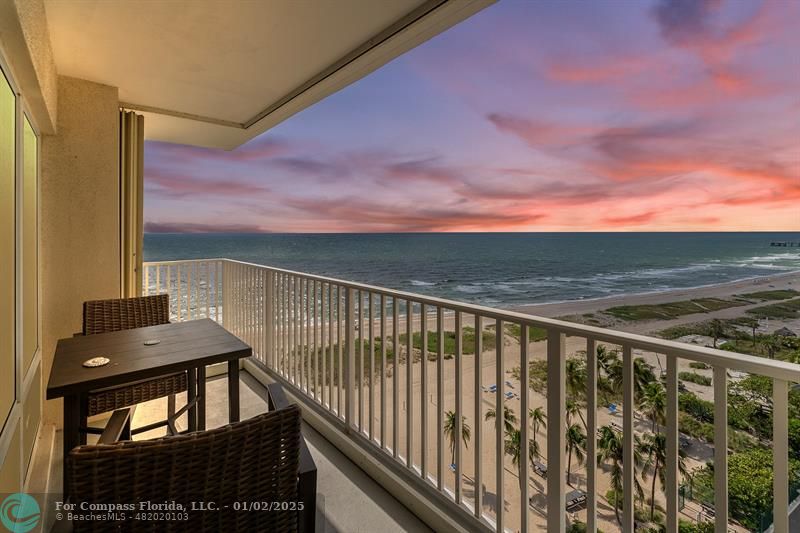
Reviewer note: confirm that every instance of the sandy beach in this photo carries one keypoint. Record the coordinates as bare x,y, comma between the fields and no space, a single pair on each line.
787,280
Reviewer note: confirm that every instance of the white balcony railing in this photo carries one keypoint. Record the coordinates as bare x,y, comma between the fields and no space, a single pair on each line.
298,325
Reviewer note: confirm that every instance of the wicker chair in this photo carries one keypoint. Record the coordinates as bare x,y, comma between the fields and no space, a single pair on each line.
103,316
259,460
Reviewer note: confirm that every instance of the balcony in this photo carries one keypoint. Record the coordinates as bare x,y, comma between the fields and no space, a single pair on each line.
426,431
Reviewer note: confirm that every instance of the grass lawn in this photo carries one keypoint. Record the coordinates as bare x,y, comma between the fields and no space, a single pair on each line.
777,294
704,328
534,334
671,309
785,309
489,340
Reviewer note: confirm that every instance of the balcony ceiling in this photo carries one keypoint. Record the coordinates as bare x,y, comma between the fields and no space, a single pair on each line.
217,73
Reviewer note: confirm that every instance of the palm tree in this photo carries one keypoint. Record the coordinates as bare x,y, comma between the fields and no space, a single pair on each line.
654,446
512,446
509,418
611,450
539,419
642,375
716,329
654,403
772,345
606,357
576,377
753,323
450,432
574,408
576,443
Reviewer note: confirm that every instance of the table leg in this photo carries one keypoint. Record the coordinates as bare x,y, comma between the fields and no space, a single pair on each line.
191,395
233,390
201,398
83,421
71,433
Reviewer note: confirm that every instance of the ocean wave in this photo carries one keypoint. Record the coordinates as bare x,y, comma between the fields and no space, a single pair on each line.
418,283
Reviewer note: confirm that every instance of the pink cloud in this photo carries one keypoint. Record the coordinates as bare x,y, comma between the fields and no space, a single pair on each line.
180,185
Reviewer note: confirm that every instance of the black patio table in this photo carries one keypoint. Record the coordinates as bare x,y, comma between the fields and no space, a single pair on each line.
182,346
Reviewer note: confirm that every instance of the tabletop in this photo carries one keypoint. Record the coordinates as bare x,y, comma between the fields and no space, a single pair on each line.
182,345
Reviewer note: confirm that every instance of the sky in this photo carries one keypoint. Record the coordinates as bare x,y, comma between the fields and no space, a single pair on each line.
618,115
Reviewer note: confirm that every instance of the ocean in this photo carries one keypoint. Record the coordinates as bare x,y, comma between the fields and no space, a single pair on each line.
502,269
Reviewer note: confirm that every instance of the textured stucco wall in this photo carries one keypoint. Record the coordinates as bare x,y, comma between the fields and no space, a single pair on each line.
25,40
79,212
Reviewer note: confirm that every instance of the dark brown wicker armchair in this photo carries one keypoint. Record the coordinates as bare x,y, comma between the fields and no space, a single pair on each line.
103,316
259,461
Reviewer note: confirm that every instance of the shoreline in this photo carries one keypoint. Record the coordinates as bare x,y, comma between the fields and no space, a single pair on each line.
783,280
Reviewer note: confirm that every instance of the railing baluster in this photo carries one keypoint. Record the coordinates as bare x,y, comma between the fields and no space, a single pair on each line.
314,346
370,310
556,409
322,345
296,323
302,294
360,366
459,349
780,451
331,369
720,449
628,467
178,284
310,298
208,289
524,461
350,332
671,414
286,347
440,399
395,362
499,419
591,433
146,285
478,510
423,392
158,279
340,343
383,370
410,389
268,320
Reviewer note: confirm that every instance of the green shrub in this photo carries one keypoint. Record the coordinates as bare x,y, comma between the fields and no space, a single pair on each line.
694,377
691,527
695,428
698,365
700,409
750,478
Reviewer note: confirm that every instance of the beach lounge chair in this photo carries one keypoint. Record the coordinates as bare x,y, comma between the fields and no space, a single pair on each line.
509,395
453,467
612,409
575,499
540,469
492,388
510,384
